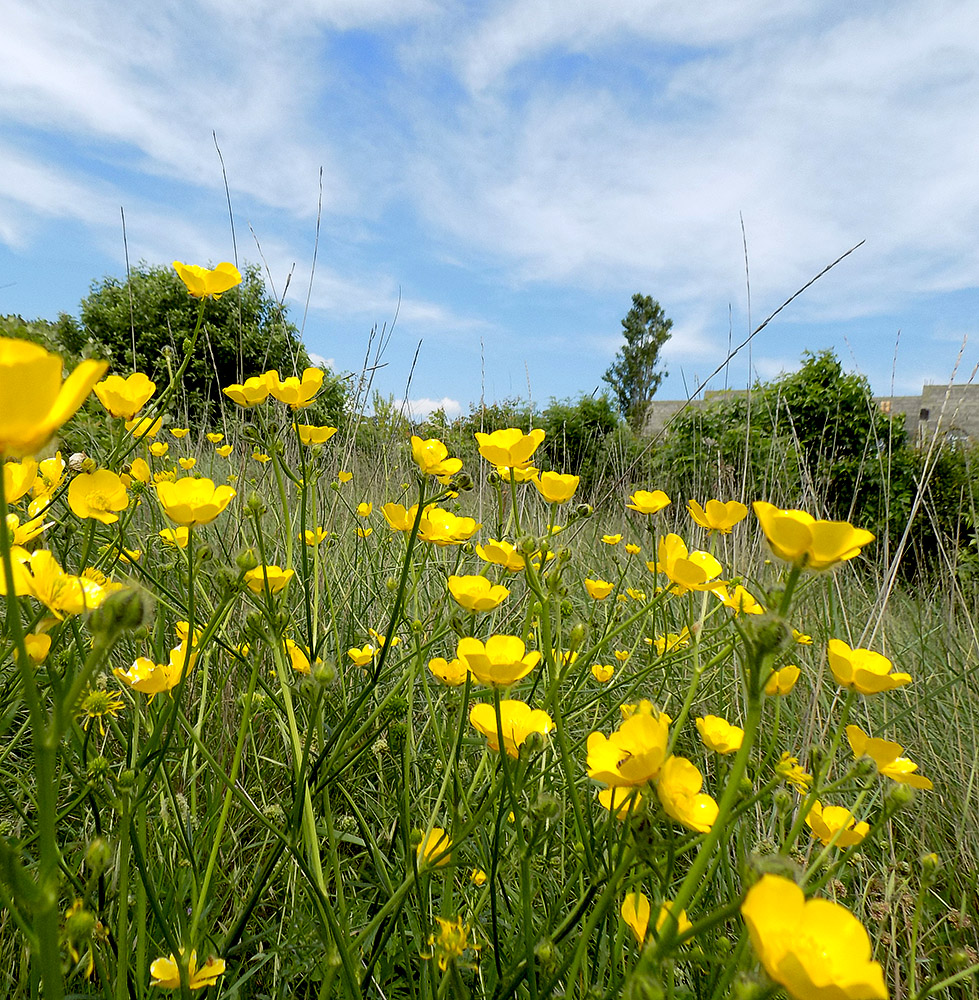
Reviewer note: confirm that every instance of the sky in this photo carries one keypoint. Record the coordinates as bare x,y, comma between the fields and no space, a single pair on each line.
487,185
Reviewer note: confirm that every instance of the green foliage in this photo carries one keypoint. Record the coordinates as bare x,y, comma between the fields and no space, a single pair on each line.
246,332
633,375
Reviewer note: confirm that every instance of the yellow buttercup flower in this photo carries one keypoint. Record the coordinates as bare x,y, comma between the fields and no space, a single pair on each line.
34,401
782,681
124,397
435,849
252,392
672,641
451,941
205,282
678,787
215,437
816,949
189,502
476,593
611,539
21,534
556,488
801,638
502,554
798,538
364,509
738,599
863,669
296,392
98,495
510,447
344,477
789,769
364,532
646,502
274,577
518,721
635,911
632,755
827,822
298,659
176,536
260,456
522,474
478,877
632,549
38,645
719,735
686,570
500,662
665,911
362,656
887,755
144,427
159,448
18,478
432,457
180,432
717,516
451,672
602,672
166,973
38,575
442,527
151,678
186,463
315,536
310,434
598,590
140,470
224,450
623,800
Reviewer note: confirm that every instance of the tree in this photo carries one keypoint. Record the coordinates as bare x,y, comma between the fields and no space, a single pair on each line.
245,333
633,375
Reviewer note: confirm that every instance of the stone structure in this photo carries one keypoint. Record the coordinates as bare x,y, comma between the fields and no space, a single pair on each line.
954,410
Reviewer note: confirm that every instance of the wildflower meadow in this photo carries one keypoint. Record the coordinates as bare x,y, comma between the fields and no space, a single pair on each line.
281,719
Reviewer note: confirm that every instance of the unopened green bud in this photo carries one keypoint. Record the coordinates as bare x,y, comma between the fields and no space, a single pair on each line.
79,924
123,611
391,584
898,796
526,545
577,635
188,345
126,780
325,673
98,769
204,552
784,801
98,854
246,559
494,479
930,865
546,807
583,510
255,505
769,633
545,952
417,627
461,482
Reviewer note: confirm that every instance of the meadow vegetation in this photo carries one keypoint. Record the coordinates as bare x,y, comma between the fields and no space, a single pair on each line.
504,707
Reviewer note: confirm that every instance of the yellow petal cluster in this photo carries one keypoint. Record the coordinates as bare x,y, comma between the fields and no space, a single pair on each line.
646,502
98,495
432,457
476,593
204,282
517,721
295,391
502,554
717,516
499,662
251,392
888,756
274,577
686,570
632,755
166,973
679,789
189,502
34,401
782,681
435,849
555,487
510,447
450,672
798,538
816,949
124,397
827,822
863,669
719,735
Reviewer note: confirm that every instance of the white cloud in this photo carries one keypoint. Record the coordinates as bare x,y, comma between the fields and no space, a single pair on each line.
421,409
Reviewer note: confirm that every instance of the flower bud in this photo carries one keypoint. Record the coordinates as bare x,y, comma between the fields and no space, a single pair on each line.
545,952
98,855
526,545
546,807
784,800
255,505
577,636
898,796
126,780
325,673
246,559
123,611
930,864
391,584
461,483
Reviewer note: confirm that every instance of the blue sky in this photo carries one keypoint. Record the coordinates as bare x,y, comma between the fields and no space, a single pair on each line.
501,177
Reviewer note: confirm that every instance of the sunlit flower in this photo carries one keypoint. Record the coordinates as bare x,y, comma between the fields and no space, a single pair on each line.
38,575
50,472
623,800
555,487
34,401
215,437
310,434
38,645
124,397
665,911
364,509
598,590
635,912
602,672
166,973
478,877
344,477
176,536
187,463
260,456
381,639
678,787
180,432
632,549
476,593
315,536
151,678
611,539
827,822
517,722
717,516
887,756
644,707
502,661
451,941
523,474
205,282
635,594
296,392
817,949
364,532
782,681
435,849
189,502
451,672
298,659
18,478
140,470
510,447
863,669
144,428
432,457
621,655
798,538
158,449
632,755
672,641
686,570
251,392
502,554
98,495
719,735
361,656
21,534
801,638
646,502
224,450
442,527
739,599
789,769
274,577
